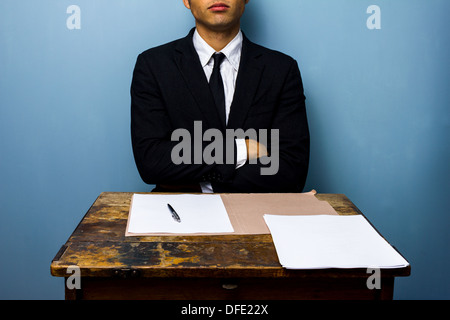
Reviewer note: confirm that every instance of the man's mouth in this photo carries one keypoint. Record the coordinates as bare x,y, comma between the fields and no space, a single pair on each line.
218,7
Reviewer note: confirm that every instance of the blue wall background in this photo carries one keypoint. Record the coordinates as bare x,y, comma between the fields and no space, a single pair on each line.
378,104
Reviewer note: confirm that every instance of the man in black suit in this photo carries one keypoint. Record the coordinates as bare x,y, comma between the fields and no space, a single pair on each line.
216,79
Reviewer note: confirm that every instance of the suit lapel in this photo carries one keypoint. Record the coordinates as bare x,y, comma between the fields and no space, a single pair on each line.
192,72
249,77
247,83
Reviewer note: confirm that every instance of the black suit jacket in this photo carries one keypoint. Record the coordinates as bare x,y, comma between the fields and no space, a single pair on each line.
169,91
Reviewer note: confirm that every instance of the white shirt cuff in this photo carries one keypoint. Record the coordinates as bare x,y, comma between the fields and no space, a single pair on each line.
241,156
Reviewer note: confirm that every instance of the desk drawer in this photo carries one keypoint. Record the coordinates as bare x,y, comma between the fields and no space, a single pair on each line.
229,289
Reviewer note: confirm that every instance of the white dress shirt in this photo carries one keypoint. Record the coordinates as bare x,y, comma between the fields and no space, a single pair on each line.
229,71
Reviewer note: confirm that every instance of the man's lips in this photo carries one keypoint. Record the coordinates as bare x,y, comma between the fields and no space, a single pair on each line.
217,7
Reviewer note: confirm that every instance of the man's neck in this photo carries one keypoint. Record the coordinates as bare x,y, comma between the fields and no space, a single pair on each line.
217,39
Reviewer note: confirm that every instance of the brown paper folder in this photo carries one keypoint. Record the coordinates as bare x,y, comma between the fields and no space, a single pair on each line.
246,211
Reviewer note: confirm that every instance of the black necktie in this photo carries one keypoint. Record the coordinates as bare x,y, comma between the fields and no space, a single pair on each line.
216,85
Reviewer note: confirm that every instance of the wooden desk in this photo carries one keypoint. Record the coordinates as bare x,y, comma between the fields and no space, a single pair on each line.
197,267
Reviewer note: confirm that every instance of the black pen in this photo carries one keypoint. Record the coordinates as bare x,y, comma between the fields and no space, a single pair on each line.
175,216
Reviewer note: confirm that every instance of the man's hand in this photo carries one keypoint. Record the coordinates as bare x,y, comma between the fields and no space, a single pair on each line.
255,149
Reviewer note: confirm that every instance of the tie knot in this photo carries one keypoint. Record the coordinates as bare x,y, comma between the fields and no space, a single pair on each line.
218,59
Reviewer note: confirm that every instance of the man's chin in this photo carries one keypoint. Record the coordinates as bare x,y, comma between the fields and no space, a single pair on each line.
221,26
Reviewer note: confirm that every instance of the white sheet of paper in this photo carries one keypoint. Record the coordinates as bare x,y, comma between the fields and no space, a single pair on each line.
198,213
325,241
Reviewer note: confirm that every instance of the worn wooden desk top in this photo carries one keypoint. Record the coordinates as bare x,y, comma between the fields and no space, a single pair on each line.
99,247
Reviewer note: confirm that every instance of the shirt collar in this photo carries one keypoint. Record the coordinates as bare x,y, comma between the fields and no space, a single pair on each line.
232,51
